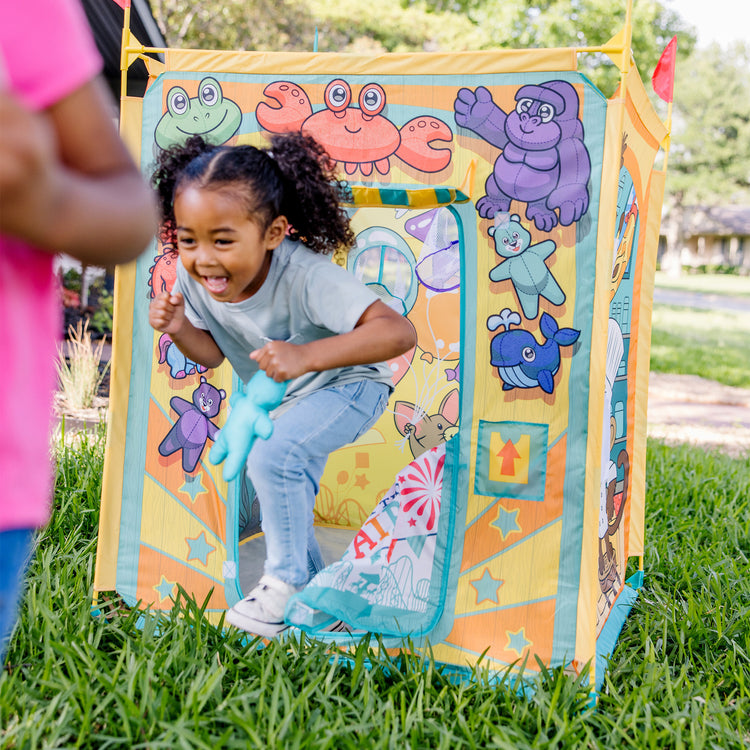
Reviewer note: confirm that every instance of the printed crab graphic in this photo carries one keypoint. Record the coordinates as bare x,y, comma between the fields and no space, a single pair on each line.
357,137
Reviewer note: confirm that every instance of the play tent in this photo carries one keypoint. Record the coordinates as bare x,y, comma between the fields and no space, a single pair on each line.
511,211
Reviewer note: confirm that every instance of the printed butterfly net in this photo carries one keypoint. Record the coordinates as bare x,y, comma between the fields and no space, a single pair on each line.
493,509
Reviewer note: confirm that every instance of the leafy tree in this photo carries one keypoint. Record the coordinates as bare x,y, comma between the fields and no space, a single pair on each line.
709,159
235,24
341,25
392,26
710,152
417,25
577,23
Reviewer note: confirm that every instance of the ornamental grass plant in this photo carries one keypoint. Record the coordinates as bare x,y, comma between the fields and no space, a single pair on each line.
79,368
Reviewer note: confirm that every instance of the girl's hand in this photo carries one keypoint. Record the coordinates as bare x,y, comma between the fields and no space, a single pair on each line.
281,360
167,313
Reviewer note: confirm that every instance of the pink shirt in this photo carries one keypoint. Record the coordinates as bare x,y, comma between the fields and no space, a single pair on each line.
46,52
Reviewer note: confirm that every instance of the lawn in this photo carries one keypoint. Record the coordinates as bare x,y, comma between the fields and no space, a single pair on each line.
711,343
707,283
680,677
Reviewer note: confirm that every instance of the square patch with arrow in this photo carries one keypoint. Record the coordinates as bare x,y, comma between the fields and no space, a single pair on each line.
511,460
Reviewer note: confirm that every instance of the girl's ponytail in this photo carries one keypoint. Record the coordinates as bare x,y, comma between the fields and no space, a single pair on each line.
312,193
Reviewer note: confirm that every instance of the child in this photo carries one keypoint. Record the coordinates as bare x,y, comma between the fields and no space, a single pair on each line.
67,184
252,228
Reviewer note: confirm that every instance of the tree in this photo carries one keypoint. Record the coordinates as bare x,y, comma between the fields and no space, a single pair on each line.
710,153
417,25
577,23
709,160
235,24
341,25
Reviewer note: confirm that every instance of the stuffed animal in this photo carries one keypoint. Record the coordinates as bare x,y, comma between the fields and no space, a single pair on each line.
247,420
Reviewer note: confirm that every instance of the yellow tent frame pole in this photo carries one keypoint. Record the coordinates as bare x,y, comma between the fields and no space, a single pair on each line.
618,49
124,65
130,52
667,142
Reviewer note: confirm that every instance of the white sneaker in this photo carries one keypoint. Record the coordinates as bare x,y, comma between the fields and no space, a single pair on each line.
262,611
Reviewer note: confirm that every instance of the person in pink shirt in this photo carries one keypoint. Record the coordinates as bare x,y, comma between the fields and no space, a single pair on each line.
67,184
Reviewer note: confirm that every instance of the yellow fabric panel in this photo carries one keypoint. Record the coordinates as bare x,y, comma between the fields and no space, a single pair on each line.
638,479
589,585
528,567
465,64
117,417
647,114
131,112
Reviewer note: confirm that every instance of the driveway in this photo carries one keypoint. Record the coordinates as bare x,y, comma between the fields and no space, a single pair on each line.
701,300
689,409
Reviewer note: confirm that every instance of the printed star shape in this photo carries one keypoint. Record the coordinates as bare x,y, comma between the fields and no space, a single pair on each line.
362,481
193,486
165,588
487,587
200,549
517,640
506,522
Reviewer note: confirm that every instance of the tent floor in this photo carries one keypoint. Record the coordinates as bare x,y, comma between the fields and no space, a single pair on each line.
333,542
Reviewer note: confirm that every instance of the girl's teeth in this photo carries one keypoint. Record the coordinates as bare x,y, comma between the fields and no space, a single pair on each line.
216,284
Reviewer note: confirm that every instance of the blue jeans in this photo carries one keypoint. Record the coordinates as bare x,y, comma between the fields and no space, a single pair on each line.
15,554
285,470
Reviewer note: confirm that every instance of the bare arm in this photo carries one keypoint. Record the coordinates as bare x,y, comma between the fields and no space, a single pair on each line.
379,334
167,314
69,184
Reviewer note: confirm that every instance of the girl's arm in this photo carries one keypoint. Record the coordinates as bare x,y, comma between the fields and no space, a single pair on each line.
379,334
167,314
68,182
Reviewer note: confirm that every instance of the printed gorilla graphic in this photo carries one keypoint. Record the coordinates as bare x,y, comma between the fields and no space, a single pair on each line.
544,162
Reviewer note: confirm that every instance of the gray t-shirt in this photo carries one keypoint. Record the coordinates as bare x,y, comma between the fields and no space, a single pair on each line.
305,297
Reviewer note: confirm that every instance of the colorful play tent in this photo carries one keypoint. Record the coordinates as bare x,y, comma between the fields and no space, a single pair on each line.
511,211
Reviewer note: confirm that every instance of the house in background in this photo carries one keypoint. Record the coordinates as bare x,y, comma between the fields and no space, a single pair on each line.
708,237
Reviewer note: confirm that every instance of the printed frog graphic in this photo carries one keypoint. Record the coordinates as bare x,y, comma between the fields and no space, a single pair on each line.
209,115
524,264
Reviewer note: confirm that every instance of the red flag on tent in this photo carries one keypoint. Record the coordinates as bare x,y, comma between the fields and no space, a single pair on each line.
663,77
123,3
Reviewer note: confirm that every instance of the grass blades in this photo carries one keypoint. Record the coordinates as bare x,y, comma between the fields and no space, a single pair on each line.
680,677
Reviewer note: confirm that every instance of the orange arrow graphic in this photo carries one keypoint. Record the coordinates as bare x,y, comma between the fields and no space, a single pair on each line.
508,454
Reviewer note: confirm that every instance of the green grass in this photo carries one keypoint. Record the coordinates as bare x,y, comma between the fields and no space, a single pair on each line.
680,677
709,343
717,283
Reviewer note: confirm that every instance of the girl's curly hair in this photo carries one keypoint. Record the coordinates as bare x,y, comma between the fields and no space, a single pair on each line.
294,178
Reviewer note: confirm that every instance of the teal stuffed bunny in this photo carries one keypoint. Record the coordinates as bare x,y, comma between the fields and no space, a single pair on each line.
247,420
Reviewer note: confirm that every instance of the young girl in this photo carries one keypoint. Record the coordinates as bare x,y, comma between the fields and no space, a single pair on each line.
252,228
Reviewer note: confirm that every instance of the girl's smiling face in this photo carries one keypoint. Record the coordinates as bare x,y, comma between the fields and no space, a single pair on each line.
221,245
